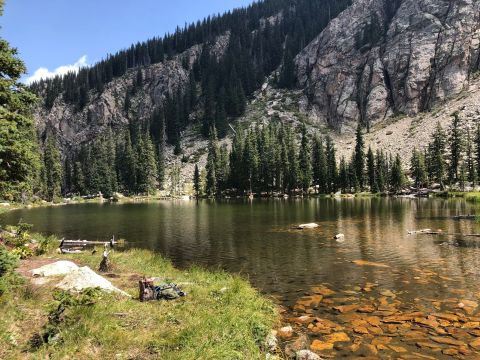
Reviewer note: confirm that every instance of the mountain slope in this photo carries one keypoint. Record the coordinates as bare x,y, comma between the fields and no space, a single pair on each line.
395,66
381,58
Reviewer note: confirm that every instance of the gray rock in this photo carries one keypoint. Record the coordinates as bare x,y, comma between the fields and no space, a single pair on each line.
271,342
307,355
426,56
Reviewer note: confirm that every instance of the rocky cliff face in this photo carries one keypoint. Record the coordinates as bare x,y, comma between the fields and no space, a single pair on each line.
108,109
380,58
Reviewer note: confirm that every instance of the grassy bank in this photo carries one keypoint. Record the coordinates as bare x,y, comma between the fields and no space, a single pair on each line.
222,316
473,196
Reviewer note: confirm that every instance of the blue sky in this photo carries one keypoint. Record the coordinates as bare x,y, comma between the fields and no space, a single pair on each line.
57,35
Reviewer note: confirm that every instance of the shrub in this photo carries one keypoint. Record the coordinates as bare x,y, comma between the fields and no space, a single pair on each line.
8,261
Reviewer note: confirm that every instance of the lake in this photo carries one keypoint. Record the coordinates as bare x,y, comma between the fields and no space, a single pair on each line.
257,239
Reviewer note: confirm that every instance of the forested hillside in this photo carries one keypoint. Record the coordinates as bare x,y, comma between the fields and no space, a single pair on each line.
285,72
136,103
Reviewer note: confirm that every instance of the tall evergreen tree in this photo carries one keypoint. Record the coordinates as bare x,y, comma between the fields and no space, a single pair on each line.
127,166
211,167
319,165
397,177
293,169
332,170
372,171
477,148
456,146
78,179
418,168
19,159
196,181
462,178
162,144
359,158
380,165
436,154
146,165
471,168
53,170
305,164
343,182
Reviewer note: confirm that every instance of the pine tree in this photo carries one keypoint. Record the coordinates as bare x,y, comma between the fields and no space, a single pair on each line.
380,164
209,110
127,166
319,165
196,181
175,179
463,175
471,168
456,145
397,180
436,156
19,159
250,162
418,168
359,159
211,167
146,165
78,179
293,170
305,164
372,171
162,144
236,161
53,170
221,170
343,182
477,149
332,170
221,122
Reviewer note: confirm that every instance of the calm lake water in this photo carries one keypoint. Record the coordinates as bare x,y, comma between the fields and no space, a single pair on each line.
257,239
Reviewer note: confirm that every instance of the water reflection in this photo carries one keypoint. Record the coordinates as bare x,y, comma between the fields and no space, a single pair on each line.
257,238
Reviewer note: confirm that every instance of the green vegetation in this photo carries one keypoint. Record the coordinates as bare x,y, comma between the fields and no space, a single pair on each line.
473,196
19,160
222,316
277,158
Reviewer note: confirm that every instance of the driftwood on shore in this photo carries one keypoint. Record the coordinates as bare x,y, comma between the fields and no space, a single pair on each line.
112,242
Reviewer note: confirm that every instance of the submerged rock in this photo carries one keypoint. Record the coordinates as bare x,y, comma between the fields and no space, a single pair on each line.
285,332
308,226
369,263
339,237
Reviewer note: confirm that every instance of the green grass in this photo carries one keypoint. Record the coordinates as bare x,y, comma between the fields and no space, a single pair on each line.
222,317
473,196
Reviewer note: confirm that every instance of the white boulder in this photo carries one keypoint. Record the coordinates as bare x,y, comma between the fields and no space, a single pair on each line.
84,278
55,269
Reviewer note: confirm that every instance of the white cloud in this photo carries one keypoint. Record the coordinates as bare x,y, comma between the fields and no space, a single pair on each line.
44,73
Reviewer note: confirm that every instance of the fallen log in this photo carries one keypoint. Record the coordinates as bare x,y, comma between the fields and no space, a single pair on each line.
465,217
424,232
88,242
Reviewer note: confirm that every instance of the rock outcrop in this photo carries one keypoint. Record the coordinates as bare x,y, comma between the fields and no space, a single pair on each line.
108,109
380,58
